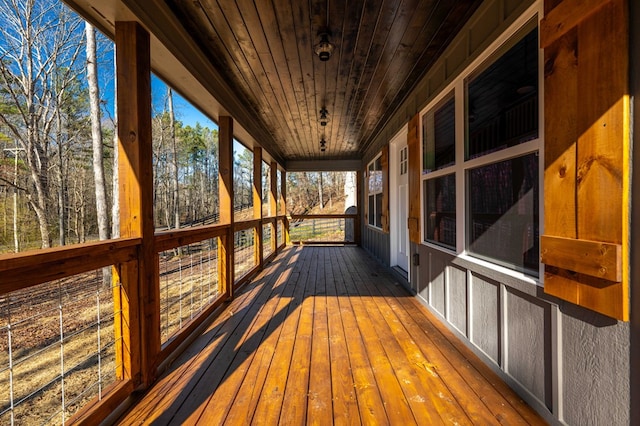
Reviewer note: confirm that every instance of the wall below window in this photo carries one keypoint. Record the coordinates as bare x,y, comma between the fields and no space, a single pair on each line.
377,243
566,361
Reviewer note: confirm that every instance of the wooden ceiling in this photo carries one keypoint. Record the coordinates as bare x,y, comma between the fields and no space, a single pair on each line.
254,60
264,51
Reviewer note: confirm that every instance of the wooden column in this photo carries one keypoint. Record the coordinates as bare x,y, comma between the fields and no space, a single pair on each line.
273,204
257,202
225,195
135,171
283,205
413,143
360,202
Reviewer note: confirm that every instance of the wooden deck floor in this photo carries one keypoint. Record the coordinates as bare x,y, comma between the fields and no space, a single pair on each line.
324,336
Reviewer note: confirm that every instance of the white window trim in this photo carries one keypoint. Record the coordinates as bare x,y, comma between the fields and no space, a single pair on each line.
460,168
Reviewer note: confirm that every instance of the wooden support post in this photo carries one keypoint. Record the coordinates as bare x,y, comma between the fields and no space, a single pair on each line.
359,204
283,205
273,205
225,189
135,171
257,202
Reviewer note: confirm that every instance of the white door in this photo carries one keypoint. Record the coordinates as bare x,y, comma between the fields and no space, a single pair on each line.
402,234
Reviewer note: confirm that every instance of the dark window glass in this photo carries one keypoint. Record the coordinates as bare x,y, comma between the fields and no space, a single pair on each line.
375,193
439,136
372,210
503,213
440,210
379,210
502,101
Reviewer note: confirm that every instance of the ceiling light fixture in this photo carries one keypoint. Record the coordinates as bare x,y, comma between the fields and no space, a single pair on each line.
324,48
324,116
323,145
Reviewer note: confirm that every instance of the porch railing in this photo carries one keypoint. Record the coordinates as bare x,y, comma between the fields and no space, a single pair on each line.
327,228
68,315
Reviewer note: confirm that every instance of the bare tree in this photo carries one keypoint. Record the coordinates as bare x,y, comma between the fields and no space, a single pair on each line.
172,135
96,135
38,63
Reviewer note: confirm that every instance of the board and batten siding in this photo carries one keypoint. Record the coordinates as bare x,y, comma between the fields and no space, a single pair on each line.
572,364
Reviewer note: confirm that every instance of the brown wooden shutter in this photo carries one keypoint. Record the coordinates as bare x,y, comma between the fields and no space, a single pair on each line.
586,181
384,164
413,144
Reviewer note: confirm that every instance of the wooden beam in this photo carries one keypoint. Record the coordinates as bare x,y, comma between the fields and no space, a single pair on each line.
135,171
594,258
257,202
324,166
225,189
413,143
273,205
283,204
360,203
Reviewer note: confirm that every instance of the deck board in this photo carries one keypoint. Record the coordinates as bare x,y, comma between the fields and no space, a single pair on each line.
325,336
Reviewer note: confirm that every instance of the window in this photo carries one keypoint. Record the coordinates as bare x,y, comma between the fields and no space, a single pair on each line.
503,212
502,100
503,194
440,212
374,175
404,160
488,190
438,138
438,148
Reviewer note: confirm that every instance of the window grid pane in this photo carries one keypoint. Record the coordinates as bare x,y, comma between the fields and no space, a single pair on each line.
503,213
440,210
502,106
439,136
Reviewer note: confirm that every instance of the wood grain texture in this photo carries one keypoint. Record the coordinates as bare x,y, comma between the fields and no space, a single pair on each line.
264,50
587,137
561,16
32,268
325,336
135,171
225,197
594,258
413,143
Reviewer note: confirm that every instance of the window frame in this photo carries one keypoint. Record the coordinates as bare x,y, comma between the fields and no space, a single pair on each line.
529,20
380,192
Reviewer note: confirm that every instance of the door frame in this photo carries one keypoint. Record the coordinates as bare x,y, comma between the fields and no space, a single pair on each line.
400,139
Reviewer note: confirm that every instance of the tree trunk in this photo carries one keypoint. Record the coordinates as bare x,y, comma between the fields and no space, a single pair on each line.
102,211
320,191
172,133
61,181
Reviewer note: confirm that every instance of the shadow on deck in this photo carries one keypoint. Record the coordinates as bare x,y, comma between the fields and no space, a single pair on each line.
324,335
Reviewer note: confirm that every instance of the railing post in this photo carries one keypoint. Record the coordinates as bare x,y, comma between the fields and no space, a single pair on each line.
225,189
257,202
273,205
135,170
283,205
359,207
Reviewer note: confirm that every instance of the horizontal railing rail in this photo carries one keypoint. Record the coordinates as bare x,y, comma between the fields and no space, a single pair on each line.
23,270
323,216
170,239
